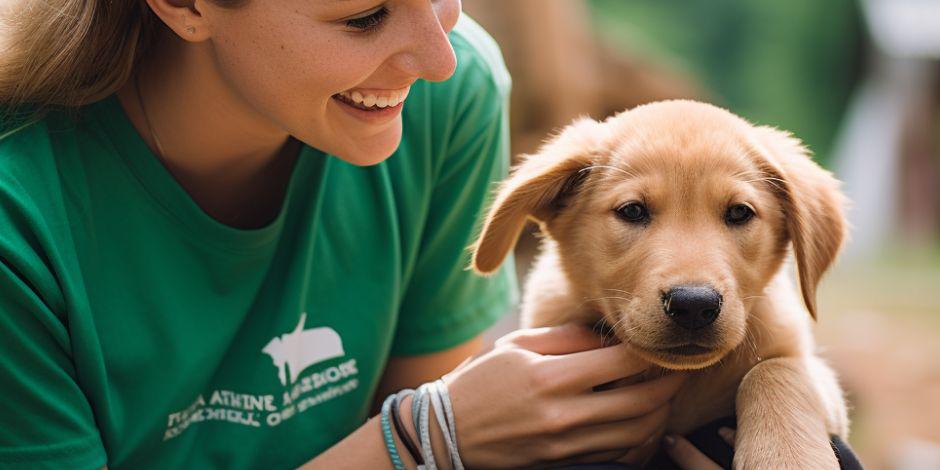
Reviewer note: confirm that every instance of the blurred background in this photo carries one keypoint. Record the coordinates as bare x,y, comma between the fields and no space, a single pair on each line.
857,80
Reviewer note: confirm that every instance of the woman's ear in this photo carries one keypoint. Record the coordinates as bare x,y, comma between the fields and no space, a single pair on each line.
183,17
813,205
536,189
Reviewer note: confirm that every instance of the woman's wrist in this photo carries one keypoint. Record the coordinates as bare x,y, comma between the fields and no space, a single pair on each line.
364,448
437,438
404,410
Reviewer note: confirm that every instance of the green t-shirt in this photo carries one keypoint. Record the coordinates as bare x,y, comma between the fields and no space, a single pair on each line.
136,331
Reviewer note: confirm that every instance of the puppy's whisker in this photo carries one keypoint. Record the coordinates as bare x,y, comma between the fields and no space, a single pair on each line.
750,347
755,350
608,167
750,173
629,330
758,320
775,182
750,340
605,331
621,291
613,332
604,298
765,179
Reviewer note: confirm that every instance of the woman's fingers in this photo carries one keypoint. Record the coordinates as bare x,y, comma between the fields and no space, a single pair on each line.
605,457
686,455
587,369
553,340
577,355
607,437
629,401
728,435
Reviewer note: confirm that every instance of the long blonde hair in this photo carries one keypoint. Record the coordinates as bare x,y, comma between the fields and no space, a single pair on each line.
71,52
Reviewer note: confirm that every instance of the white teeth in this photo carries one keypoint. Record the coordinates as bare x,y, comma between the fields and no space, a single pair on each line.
394,99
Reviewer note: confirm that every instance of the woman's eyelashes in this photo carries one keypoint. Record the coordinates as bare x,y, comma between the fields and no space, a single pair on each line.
370,21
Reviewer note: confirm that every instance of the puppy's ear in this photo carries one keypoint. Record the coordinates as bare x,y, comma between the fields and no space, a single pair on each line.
813,205
537,189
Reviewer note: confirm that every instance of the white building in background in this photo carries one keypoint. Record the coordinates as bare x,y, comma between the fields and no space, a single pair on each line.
867,154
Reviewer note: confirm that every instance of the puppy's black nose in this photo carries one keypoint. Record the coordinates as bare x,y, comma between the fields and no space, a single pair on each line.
692,307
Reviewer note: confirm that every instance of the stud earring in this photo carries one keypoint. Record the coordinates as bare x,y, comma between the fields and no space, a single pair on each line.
191,29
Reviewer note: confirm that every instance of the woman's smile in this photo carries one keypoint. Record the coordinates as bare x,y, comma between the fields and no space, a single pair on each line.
375,106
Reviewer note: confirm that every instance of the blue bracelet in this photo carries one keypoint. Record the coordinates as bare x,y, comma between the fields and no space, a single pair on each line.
387,432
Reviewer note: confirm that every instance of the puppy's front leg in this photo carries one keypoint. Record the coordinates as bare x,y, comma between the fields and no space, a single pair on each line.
781,419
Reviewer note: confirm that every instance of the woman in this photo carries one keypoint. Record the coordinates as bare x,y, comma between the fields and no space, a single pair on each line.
229,227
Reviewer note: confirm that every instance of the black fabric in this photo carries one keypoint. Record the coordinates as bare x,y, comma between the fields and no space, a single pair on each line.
707,440
847,459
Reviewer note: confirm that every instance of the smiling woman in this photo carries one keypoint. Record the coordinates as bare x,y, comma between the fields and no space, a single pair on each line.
180,182
228,230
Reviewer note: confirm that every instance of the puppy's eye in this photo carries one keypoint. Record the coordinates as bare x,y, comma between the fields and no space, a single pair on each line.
739,214
634,212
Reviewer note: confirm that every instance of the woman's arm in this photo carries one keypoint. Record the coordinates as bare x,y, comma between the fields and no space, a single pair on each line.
412,371
530,401
365,448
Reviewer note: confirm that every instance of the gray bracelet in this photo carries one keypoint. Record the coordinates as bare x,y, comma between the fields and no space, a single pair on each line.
451,424
435,394
438,388
420,404
441,420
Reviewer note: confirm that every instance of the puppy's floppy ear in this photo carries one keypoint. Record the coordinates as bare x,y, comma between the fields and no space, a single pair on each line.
536,189
813,205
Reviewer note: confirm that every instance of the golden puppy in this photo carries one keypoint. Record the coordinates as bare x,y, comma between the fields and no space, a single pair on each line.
670,223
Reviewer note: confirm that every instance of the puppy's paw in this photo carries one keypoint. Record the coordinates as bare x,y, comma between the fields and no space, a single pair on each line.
783,453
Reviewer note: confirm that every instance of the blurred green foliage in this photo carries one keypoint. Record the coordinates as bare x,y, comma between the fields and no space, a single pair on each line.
792,64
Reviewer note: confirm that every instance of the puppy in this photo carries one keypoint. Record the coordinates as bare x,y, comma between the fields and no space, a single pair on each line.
671,223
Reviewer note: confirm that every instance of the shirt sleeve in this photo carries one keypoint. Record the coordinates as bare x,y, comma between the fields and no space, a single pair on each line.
46,420
446,303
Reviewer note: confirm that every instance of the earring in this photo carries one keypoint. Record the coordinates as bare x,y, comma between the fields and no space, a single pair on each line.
191,29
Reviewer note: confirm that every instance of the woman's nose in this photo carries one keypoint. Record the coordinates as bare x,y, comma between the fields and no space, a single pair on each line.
429,54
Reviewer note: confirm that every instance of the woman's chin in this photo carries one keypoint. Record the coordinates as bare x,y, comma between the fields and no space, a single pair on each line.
366,159
372,150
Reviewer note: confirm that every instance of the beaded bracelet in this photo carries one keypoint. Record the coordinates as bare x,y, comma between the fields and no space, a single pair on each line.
387,405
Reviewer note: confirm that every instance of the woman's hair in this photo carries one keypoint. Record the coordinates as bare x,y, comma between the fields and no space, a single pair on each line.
71,52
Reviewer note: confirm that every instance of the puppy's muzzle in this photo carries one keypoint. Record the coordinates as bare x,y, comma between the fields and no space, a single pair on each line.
692,307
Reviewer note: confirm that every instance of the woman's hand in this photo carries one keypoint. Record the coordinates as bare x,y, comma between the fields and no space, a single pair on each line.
530,400
688,457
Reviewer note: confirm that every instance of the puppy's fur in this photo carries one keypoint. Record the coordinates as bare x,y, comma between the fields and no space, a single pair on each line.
688,163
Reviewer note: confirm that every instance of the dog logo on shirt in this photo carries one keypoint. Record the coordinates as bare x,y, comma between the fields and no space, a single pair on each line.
295,351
